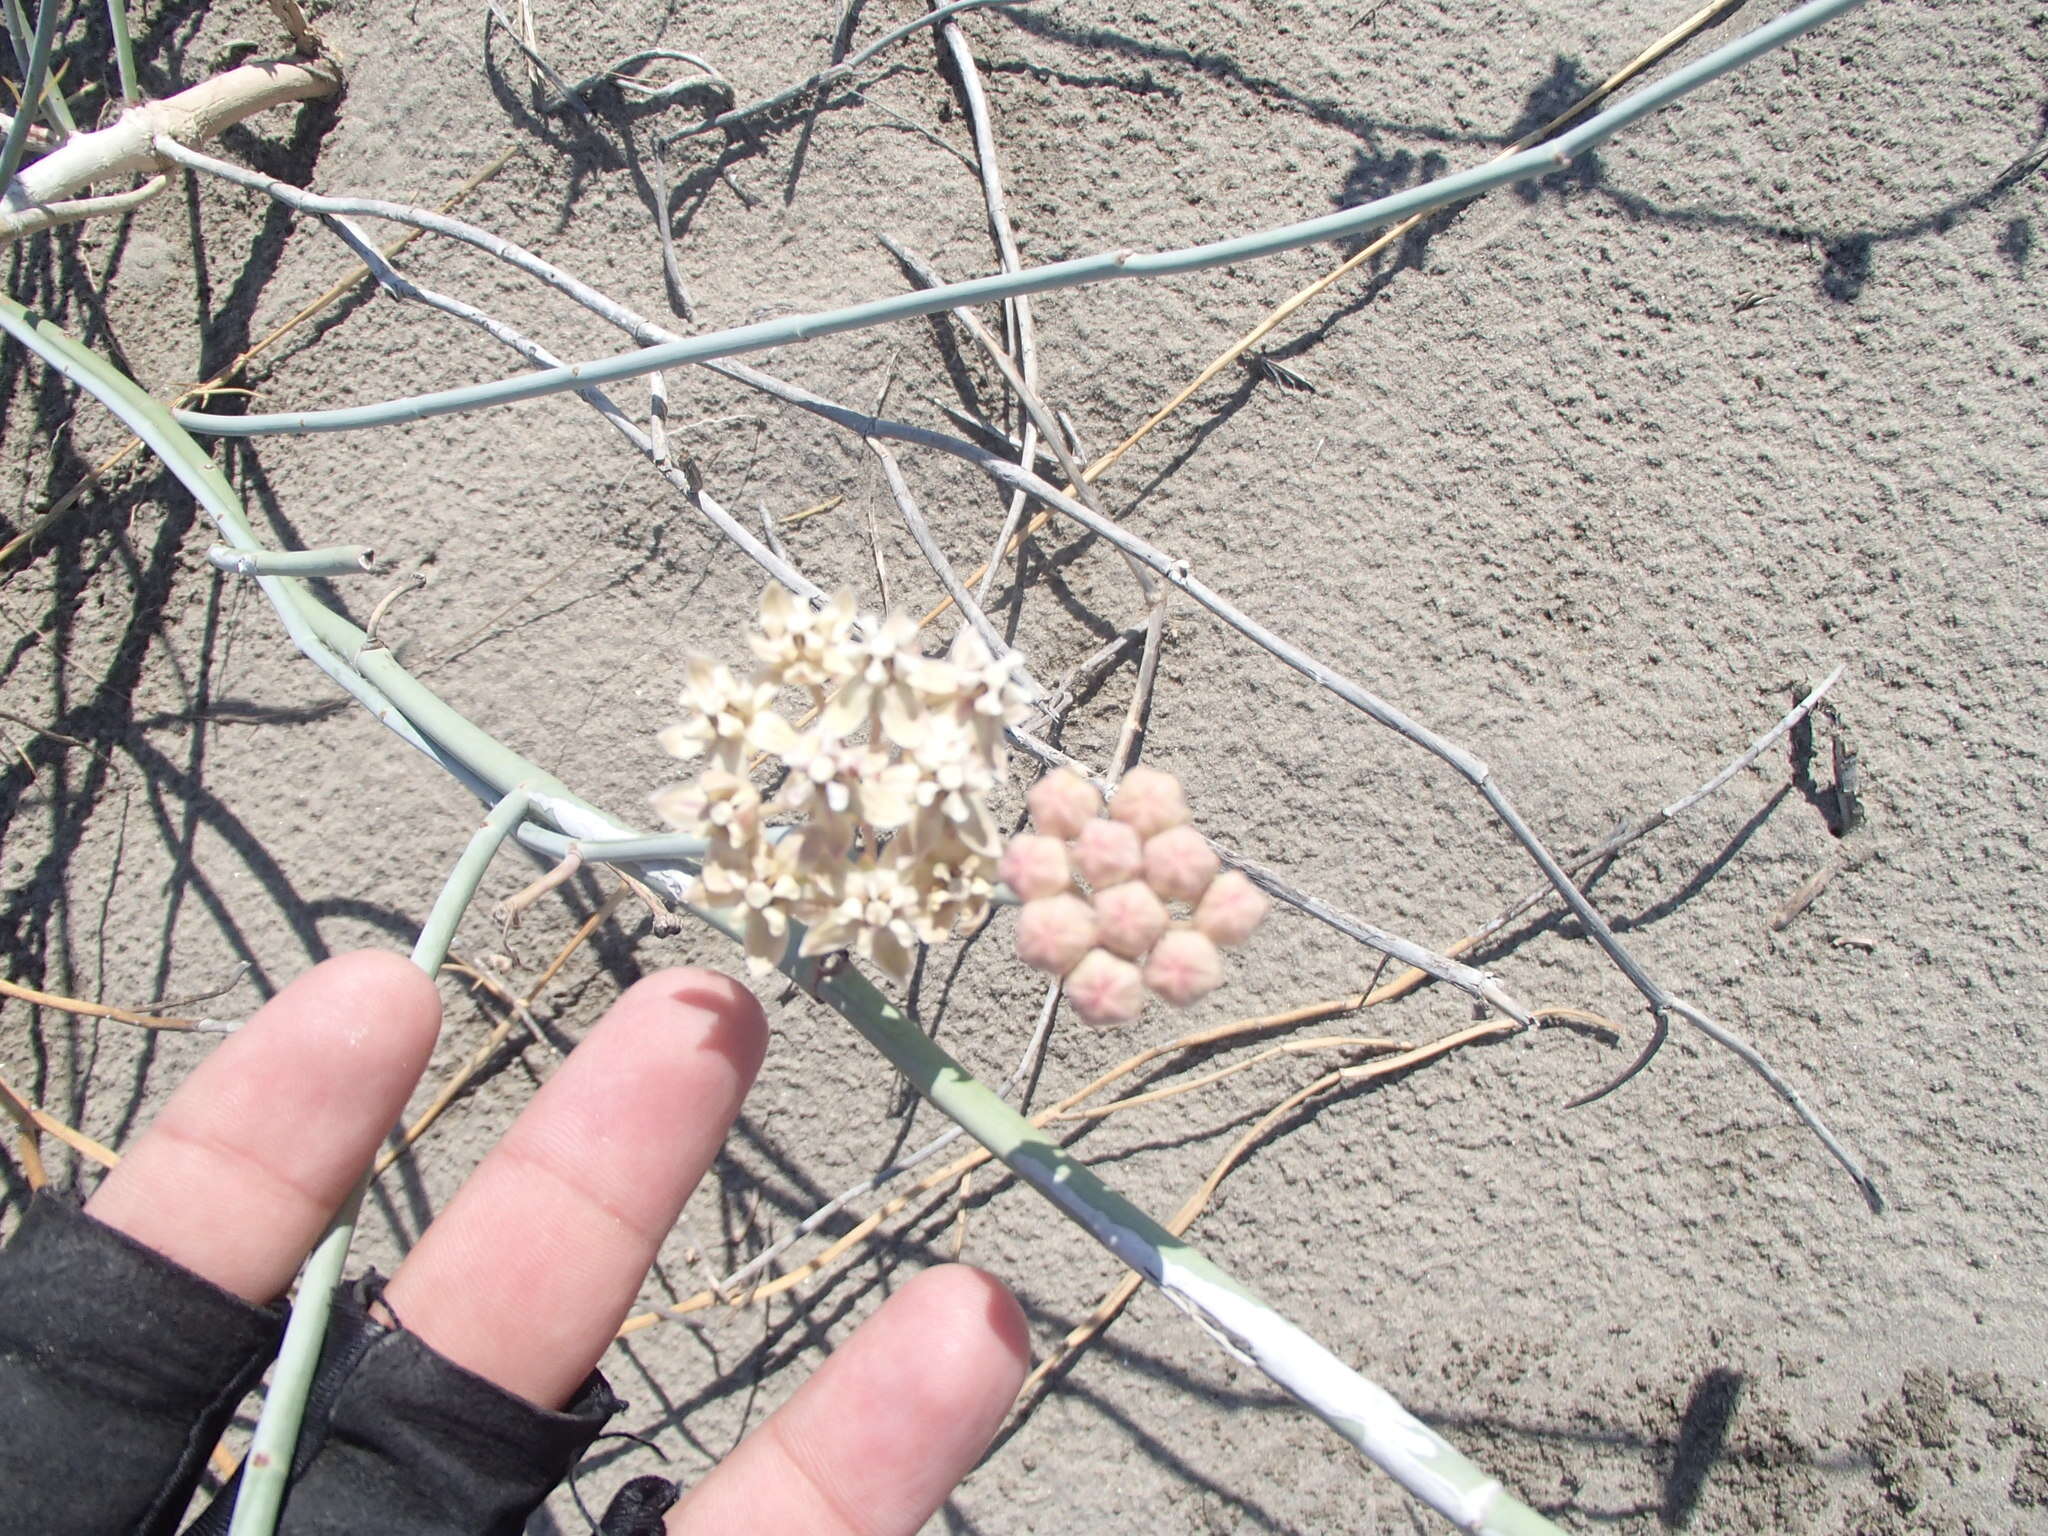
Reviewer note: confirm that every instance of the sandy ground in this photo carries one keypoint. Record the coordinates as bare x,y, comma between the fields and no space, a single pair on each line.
1594,478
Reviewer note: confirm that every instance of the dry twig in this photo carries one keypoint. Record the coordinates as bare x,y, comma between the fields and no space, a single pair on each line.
1683,33
967,1162
21,1109
1112,1305
76,1005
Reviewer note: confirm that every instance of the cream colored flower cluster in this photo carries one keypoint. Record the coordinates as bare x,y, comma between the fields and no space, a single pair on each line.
897,845
1135,861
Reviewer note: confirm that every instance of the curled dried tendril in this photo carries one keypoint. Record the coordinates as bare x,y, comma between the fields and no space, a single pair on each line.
879,837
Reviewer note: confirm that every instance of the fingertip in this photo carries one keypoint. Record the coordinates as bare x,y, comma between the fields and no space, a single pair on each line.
381,971
974,1317
371,991
524,1278
877,1439
687,1007
258,1146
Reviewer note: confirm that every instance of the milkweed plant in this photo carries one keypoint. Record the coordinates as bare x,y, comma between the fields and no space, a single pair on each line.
840,785
891,773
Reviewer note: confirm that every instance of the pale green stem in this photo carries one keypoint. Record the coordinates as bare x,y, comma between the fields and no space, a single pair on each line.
1230,1312
1360,1412
295,604
1542,160
438,932
1463,977
663,848
18,33
335,560
124,50
266,1472
34,71
619,850
55,110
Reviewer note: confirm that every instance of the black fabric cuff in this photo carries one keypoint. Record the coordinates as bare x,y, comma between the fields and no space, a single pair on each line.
400,1440
118,1371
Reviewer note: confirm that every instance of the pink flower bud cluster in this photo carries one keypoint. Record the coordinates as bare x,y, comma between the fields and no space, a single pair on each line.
1120,941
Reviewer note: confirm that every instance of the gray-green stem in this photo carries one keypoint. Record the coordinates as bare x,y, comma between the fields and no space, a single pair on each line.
266,1471
1107,266
34,73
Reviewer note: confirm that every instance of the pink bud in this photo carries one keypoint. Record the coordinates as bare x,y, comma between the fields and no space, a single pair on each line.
1105,990
1184,967
1108,852
1054,932
1035,866
1149,801
1129,918
1062,803
1179,865
1232,908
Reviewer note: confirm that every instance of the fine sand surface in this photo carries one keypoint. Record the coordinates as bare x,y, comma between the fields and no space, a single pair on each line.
1595,478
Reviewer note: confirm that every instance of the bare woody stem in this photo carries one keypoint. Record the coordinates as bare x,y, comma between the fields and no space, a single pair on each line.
1023,331
684,480
128,145
1467,765
1106,266
1090,514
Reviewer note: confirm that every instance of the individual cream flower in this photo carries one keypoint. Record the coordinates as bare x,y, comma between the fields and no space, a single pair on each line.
882,693
985,693
847,783
761,888
875,916
804,647
955,883
954,778
719,806
729,720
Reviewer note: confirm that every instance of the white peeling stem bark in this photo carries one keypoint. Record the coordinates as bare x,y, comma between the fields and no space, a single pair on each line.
124,147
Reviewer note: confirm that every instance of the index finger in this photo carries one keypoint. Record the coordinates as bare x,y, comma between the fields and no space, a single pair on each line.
248,1161
524,1277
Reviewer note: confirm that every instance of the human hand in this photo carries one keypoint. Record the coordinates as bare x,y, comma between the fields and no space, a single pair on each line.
524,1277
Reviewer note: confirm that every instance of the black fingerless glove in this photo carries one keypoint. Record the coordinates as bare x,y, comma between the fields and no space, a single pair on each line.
398,1439
119,1369
118,1372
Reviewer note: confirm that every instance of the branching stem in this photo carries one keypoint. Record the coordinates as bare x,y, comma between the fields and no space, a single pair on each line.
1542,160
1363,1414
832,74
